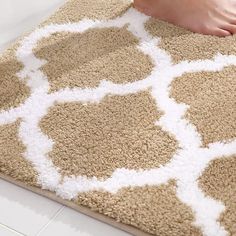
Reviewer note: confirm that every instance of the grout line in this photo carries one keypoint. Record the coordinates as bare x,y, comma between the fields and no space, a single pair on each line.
12,230
53,217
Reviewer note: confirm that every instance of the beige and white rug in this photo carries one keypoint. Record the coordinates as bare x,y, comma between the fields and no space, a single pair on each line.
123,115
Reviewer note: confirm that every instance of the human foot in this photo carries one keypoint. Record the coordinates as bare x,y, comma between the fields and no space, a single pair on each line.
212,17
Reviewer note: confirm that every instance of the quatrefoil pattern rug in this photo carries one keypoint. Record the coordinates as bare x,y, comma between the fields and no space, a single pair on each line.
108,109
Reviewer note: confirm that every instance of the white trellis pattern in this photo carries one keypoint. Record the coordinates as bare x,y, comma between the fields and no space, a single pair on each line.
185,166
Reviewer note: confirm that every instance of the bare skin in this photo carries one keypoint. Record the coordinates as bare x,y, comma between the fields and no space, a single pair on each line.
211,17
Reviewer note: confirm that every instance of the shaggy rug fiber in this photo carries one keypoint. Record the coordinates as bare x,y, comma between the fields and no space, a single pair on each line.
112,112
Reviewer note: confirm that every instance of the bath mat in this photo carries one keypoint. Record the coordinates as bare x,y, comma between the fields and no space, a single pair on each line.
125,118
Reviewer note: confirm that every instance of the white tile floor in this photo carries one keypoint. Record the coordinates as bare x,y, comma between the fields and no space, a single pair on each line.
23,212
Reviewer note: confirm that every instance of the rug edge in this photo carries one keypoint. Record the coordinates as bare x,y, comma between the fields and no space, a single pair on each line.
81,209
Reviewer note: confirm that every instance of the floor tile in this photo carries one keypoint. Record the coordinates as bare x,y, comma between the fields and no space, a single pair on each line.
72,223
4,231
24,211
18,17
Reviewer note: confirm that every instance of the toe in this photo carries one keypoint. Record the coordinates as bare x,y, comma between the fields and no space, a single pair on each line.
220,32
232,21
217,31
231,28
